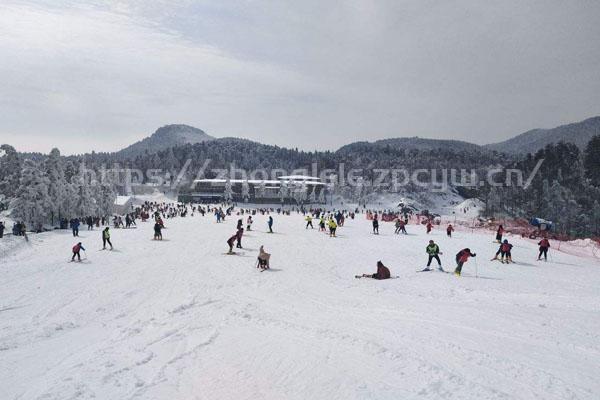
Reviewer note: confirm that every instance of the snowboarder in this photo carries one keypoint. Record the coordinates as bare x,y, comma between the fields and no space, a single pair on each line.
499,234
433,251
461,258
375,226
309,222
76,251
158,231
263,260
270,223
382,273
544,246
106,239
449,230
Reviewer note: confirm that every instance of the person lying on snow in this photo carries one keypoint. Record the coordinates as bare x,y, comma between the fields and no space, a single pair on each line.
382,273
263,259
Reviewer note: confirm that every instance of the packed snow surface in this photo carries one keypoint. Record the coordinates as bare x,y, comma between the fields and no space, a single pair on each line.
178,319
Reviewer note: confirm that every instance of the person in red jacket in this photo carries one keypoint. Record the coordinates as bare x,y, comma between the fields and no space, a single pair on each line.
76,251
544,246
382,272
461,258
499,234
429,226
449,230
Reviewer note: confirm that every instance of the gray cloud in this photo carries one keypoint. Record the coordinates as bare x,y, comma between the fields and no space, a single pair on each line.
310,74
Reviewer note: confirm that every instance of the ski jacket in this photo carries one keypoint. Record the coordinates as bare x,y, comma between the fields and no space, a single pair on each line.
506,247
106,234
450,228
77,248
544,243
432,249
464,255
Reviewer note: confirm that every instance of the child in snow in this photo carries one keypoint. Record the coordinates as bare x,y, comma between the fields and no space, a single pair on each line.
461,258
270,223
157,231
449,230
544,246
499,234
309,222
429,226
230,242
433,251
249,223
76,251
375,225
240,232
504,250
106,239
263,259
382,272
332,227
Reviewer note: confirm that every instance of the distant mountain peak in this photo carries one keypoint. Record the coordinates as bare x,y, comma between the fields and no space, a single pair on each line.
578,133
167,136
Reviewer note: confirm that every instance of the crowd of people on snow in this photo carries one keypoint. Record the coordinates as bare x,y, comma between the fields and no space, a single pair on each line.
328,222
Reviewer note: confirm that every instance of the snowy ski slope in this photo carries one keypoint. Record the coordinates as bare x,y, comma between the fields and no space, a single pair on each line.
177,319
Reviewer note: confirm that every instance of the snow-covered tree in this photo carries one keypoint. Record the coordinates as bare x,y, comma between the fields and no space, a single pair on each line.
245,191
57,190
10,171
228,193
31,203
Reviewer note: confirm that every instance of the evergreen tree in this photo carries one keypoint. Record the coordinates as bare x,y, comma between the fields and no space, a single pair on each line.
592,161
10,171
32,203
55,172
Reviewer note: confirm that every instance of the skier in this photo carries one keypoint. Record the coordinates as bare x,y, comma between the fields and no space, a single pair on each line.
429,226
402,226
505,254
106,239
332,227
461,258
382,273
397,226
1,229
158,231
263,259
544,246
76,251
499,234
449,230
249,223
433,251
230,242
75,227
375,226
240,232
270,223
322,223
309,222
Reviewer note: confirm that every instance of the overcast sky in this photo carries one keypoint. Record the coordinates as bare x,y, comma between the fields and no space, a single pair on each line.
308,74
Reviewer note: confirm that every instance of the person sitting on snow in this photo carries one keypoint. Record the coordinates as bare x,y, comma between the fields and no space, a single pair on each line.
264,258
382,272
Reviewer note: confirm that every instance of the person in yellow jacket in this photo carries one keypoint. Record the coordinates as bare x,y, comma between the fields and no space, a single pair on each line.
106,239
322,223
332,227
309,222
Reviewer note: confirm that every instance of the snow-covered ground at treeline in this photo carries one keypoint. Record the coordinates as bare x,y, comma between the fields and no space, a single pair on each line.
178,319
